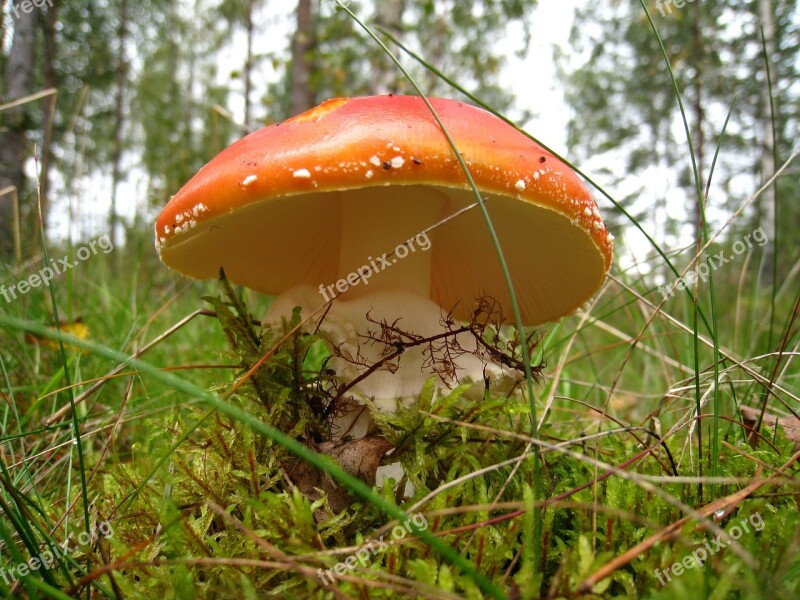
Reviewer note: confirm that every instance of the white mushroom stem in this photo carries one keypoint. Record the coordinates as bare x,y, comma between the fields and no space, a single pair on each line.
344,327
346,321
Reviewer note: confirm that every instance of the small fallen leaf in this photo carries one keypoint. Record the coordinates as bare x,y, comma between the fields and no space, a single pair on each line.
359,458
790,424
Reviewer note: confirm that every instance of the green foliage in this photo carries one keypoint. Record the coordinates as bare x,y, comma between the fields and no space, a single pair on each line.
216,462
189,493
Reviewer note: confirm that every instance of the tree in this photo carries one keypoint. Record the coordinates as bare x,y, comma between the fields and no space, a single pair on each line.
302,95
625,106
119,117
84,71
14,150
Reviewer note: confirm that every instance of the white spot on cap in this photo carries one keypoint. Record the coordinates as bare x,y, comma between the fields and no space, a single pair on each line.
248,180
587,211
302,174
610,237
520,185
536,175
179,218
397,162
166,229
370,173
375,161
598,225
396,148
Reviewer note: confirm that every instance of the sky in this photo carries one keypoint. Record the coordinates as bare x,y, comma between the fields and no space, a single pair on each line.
533,78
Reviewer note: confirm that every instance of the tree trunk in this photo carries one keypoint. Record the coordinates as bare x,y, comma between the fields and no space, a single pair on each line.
13,146
119,118
389,16
48,114
302,96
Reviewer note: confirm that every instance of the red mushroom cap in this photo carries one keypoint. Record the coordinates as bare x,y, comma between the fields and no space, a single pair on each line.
268,209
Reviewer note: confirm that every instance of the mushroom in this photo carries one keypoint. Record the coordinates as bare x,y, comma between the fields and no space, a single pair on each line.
313,208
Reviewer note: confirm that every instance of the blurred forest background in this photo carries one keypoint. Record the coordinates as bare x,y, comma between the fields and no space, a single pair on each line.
110,106
146,90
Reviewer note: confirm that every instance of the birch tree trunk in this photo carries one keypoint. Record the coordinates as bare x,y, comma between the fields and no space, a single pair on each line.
119,117
389,16
13,145
302,96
